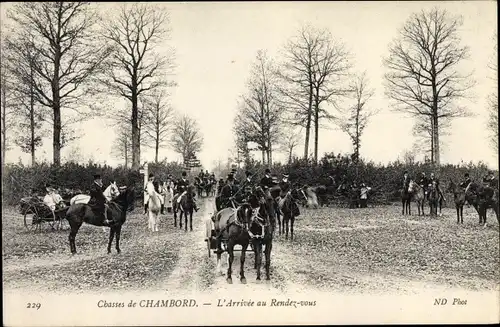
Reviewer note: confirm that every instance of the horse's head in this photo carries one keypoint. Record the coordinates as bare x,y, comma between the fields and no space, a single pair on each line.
126,197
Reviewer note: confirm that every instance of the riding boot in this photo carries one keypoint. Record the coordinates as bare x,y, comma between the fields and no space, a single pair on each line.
146,208
162,209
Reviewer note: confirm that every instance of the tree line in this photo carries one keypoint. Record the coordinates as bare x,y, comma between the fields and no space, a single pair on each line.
65,62
314,84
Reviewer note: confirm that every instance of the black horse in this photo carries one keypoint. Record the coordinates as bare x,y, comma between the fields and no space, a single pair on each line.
483,197
79,213
288,206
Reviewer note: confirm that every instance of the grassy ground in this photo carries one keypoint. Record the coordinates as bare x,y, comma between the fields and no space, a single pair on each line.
362,250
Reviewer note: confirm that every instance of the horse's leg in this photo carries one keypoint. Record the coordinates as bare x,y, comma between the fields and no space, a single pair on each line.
269,246
180,218
404,206
292,220
186,220
257,247
75,226
242,262
462,214
118,232
218,268
191,220
285,227
111,237
230,252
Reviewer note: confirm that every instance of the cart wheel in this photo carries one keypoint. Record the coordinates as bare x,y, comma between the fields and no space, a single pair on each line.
31,219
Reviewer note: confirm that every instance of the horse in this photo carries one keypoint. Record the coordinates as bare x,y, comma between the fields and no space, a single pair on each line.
458,198
484,197
79,213
312,199
433,198
208,187
288,207
417,194
231,224
154,207
186,206
198,182
406,200
110,193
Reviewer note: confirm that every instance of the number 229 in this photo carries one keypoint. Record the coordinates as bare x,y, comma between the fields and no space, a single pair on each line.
34,306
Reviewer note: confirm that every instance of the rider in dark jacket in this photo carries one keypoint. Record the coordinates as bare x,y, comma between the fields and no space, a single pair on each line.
434,179
423,182
228,192
267,182
466,181
97,201
182,183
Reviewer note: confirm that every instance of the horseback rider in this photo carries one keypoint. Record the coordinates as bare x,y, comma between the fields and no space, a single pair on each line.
247,184
228,192
284,185
98,202
406,181
423,182
267,181
182,186
489,179
466,182
153,187
435,180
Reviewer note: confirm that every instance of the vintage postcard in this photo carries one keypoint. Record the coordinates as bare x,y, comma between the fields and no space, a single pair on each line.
263,163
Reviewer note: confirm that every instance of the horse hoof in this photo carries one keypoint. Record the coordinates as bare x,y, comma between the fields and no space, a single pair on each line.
258,278
229,281
243,280
268,278
109,251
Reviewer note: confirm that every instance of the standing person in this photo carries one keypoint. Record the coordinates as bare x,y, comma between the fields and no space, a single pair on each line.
167,195
364,195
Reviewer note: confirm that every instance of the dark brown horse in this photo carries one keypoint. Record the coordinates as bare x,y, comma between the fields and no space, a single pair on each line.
482,198
185,207
433,197
459,199
417,194
290,210
406,199
79,213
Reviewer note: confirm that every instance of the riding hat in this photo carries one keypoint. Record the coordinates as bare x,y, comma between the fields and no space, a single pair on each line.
230,177
405,172
248,174
151,175
267,171
466,174
285,175
97,176
184,173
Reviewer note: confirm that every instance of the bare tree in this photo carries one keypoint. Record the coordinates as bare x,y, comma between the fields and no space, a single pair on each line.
314,71
492,124
122,146
21,59
158,120
259,112
186,137
356,117
6,100
423,77
134,66
69,56
291,141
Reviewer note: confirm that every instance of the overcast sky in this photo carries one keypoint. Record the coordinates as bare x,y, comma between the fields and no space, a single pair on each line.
216,43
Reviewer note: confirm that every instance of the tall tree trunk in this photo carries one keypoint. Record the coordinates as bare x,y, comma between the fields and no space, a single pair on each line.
435,133
432,141
136,151
32,118
4,127
56,107
316,126
157,142
263,157
308,122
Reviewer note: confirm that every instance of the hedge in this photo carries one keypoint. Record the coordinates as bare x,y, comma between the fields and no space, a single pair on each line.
20,180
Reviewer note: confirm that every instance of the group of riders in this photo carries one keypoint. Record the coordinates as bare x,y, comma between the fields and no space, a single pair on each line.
231,192
433,182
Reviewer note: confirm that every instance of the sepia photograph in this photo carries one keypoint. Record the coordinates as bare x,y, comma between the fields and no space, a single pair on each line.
249,163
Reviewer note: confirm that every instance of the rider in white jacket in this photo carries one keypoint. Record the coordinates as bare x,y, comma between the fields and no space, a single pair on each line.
150,191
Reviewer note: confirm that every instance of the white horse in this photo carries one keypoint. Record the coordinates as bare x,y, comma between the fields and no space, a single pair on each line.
110,193
154,207
312,199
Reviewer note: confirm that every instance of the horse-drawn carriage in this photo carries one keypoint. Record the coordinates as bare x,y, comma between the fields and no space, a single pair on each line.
36,213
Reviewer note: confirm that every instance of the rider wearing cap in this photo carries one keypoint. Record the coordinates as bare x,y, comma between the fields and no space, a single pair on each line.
285,185
435,180
97,201
182,186
466,182
228,192
153,188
